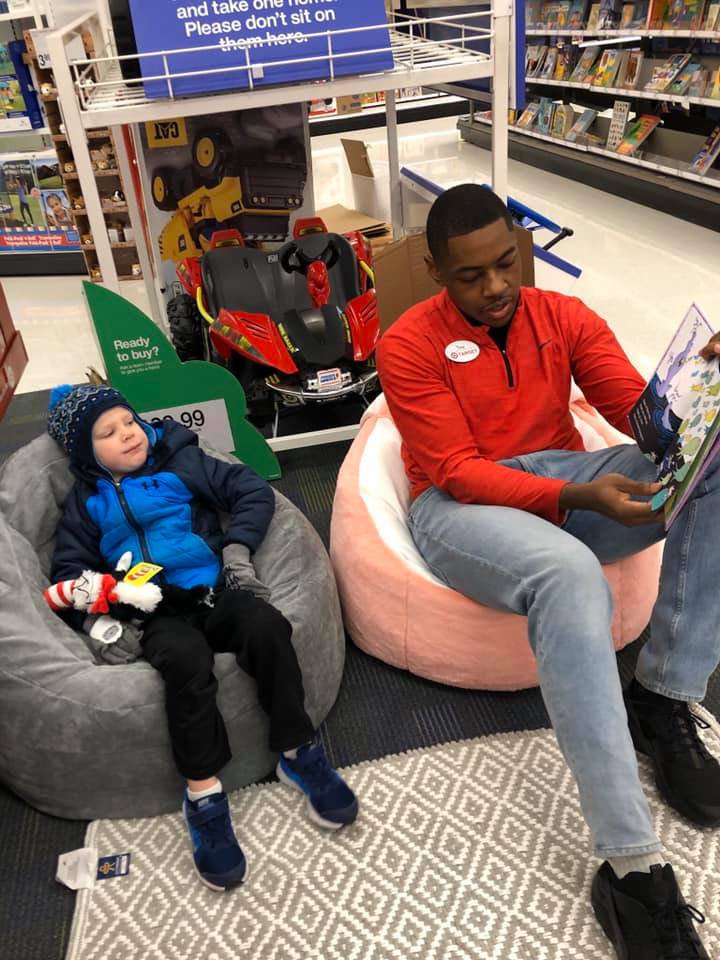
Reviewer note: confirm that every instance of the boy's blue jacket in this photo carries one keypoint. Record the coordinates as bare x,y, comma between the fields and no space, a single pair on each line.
164,513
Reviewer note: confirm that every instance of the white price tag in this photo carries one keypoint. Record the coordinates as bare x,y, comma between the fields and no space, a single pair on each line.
76,869
208,419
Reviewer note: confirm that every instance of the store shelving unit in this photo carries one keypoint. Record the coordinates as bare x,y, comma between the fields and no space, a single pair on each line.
95,96
658,174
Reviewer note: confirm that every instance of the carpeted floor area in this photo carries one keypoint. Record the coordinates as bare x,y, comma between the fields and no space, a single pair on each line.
380,711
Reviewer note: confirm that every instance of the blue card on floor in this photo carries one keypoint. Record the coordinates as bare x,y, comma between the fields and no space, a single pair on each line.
116,865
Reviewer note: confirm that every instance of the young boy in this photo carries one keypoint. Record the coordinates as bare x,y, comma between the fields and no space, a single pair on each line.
153,492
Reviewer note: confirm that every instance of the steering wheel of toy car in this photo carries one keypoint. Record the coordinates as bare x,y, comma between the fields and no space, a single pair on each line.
295,260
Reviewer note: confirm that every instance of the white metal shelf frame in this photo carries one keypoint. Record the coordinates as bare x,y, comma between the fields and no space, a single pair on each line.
111,101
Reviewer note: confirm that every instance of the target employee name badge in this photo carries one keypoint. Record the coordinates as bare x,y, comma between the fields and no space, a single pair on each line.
462,351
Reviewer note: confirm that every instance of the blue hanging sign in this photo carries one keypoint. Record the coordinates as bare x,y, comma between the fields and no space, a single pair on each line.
251,37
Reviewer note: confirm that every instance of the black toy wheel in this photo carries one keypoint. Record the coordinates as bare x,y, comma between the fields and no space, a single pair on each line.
211,152
186,328
163,193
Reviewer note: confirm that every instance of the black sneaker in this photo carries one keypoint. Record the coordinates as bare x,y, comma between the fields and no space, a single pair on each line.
645,917
666,730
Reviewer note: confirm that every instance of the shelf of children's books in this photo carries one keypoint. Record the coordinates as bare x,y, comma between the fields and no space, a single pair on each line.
26,131
712,35
630,92
646,160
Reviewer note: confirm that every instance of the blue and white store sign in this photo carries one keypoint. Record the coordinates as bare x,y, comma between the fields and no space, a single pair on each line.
257,38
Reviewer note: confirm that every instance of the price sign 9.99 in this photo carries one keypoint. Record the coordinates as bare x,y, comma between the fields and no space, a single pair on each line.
208,419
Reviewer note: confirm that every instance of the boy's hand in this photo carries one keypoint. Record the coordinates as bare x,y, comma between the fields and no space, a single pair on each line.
612,495
240,573
112,642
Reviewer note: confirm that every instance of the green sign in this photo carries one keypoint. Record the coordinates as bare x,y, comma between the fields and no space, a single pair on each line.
142,365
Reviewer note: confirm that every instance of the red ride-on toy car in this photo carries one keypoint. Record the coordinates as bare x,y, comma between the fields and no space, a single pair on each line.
298,325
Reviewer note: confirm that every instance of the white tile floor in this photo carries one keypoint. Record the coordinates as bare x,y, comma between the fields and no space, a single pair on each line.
642,268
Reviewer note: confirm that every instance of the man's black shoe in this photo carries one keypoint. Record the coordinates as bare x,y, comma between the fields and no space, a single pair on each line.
666,730
645,917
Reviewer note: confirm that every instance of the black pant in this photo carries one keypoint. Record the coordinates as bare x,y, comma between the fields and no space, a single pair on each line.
181,647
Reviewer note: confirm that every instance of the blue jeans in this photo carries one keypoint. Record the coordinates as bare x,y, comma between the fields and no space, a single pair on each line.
513,560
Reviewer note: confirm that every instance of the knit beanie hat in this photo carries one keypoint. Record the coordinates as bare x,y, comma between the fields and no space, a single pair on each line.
72,413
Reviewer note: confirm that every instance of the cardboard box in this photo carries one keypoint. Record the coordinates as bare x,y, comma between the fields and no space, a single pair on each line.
348,105
13,356
402,278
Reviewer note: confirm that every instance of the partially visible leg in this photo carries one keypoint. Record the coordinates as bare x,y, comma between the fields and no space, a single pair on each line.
260,637
180,652
512,560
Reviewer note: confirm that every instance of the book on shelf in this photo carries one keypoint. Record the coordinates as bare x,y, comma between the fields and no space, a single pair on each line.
680,85
529,115
676,421
607,68
545,115
610,14
684,14
656,14
584,65
712,17
699,83
637,133
618,122
593,17
532,14
554,14
581,125
640,15
664,74
539,61
714,85
578,14
565,62
562,122
548,67
532,52
708,153
627,16
629,74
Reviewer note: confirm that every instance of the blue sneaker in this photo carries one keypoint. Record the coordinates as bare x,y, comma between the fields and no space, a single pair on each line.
330,801
219,861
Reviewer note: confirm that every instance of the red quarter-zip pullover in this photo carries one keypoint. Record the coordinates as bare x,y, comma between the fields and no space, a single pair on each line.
457,418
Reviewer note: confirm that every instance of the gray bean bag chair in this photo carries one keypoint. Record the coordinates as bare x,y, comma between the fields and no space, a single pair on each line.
81,740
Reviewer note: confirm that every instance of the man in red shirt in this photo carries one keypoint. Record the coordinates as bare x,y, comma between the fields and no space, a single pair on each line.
511,511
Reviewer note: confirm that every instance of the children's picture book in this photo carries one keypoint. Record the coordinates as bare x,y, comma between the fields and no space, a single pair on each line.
630,73
685,14
664,74
610,14
563,119
548,67
532,14
676,421
607,68
594,17
714,91
640,15
627,16
584,65
532,52
565,62
540,59
699,83
578,14
682,81
637,133
618,122
545,115
581,125
708,154
657,14
529,115
712,17
554,14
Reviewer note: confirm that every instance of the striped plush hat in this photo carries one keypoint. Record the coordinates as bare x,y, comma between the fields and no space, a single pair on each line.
72,413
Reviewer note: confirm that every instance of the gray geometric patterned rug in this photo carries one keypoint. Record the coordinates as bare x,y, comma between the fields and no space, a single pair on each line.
467,851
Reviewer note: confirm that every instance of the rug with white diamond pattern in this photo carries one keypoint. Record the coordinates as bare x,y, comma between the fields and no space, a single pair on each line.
470,850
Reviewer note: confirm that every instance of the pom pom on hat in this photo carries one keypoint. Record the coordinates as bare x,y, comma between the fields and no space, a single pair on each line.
58,394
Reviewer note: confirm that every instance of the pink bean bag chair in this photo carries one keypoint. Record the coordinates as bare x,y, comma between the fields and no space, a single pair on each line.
396,610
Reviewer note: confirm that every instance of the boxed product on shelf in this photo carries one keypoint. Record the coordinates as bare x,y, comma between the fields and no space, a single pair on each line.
637,133
708,153
349,104
19,106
